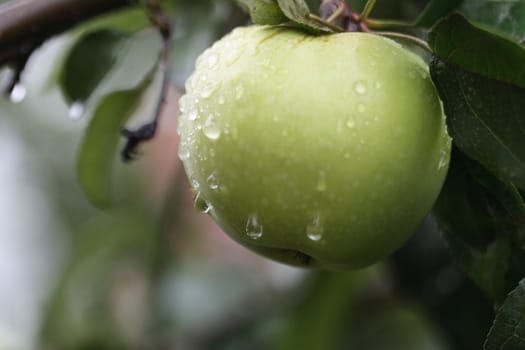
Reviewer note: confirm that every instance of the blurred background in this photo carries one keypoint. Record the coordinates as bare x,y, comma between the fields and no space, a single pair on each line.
153,273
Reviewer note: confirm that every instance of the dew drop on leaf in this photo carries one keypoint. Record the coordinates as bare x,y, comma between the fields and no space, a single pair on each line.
18,93
76,110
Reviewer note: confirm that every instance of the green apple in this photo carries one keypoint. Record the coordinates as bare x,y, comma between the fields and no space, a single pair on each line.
313,150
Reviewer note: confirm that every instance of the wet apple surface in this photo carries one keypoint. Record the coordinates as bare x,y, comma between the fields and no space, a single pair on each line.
313,150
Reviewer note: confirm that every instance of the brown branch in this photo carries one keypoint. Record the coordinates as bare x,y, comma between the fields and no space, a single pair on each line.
25,24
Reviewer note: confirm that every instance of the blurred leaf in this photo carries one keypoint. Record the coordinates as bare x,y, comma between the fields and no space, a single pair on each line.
506,16
322,318
194,33
97,152
88,61
456,41
435,10
299,12
508,330
485,119
127,22
477,216
103,282
401,327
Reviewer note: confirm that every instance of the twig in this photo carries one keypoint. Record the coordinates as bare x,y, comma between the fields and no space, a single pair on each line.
26,24
147,131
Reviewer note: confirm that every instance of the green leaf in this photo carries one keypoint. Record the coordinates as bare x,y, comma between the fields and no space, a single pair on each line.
88,62
456,41
299,12
435,10
485,118
508,330
264,11
97,152
507,16
482,220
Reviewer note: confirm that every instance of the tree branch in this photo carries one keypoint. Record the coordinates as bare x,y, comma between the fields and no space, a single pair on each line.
25,24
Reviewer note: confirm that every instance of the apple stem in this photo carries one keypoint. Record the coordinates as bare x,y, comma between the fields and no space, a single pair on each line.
415,40
366,10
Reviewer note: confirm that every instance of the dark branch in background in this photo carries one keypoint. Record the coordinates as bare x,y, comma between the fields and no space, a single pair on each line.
147,131
26,24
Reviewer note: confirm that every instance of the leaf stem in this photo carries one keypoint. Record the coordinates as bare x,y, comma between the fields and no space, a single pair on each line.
367,9
384,24
417,41
325,23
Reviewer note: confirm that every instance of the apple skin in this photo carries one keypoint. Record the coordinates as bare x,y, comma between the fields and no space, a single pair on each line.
322,151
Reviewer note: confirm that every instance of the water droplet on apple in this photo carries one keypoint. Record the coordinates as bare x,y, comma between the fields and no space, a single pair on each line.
350,123
443,159
232,56
201,204
315,229
183,152
192,115
76,110
212,181
191,82
221,100
213,59
183,104
321,183
378,85
360,87
211,128
254,229
194,184
361,108
239,91
208,90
